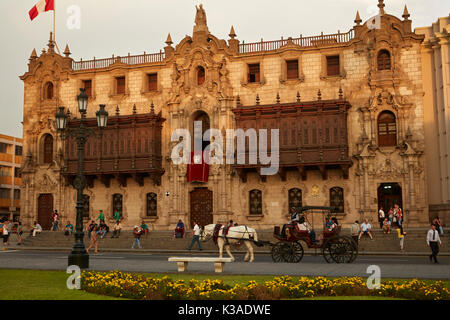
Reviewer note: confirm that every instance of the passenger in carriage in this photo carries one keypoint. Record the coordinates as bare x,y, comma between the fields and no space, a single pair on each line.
303,225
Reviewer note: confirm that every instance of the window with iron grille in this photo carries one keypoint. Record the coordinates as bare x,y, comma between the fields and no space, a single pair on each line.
152,204
384,60
333,66
255,202
295,199
17,172
292,69
337,200
253,73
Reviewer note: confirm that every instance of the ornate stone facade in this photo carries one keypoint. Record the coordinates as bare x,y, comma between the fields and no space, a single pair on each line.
378,73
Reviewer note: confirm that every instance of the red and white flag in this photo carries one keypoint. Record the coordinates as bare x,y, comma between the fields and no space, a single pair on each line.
41,6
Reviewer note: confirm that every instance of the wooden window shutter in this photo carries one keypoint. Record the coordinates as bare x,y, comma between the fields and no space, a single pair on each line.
48,149
292,69
253,72
120,82
152,81
87,84
333,67
387,129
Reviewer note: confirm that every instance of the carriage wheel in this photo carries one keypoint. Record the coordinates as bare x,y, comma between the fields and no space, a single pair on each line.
294,253
291,252
277,252
355,248
326,251
340,249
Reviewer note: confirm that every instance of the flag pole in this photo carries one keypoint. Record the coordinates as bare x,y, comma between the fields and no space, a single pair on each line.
54,27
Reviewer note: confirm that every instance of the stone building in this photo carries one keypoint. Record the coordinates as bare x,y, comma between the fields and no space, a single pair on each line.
348,106
436,82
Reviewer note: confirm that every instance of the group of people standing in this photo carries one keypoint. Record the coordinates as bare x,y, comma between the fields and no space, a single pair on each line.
393,219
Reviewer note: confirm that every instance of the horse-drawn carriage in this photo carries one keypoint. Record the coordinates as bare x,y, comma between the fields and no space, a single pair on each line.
334,246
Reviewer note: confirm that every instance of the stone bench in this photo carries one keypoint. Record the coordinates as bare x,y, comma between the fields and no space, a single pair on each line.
219,263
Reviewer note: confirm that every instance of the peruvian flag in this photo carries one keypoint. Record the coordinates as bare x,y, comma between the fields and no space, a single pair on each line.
41,6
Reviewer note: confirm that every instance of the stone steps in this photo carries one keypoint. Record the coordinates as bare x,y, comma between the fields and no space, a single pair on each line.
163,240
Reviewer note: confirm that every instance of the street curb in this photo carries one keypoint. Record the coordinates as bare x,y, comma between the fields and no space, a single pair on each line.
162,251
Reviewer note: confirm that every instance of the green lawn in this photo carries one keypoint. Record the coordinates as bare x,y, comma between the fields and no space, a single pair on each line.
40,285
51,285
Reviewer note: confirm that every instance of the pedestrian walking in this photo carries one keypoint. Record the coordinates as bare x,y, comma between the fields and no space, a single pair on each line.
137,232
196,237
94,242
438,224
433,241
55,222
401,236
19,233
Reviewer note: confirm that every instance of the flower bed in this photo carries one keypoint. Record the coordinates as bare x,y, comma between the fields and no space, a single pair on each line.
135,286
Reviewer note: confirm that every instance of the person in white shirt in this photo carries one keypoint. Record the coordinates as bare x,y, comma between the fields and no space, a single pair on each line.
365,229
5,234
196,237
303,225
36,228
433,241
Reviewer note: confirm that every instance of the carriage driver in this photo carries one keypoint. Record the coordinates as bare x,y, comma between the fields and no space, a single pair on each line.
294,219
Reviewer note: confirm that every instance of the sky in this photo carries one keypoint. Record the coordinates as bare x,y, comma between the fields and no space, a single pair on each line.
120,27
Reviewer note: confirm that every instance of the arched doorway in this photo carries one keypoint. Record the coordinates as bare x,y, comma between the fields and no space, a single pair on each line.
45,210
389,194
201,200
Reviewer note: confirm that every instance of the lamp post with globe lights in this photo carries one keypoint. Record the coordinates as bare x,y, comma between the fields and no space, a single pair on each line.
79,256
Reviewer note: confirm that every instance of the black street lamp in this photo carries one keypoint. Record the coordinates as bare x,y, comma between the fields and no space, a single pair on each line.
79,256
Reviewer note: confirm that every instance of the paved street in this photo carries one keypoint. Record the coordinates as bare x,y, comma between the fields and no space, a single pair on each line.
391,266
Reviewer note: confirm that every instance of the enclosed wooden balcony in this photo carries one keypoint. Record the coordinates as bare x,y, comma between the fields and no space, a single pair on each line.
312,136
130,147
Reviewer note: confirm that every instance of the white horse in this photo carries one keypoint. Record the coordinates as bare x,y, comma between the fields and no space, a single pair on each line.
235,235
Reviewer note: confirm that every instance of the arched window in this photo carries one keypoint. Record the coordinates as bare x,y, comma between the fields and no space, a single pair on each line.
117,203
387,129
255,202
295,199
152,210
48,149
337,200
200,75
384,60
48,91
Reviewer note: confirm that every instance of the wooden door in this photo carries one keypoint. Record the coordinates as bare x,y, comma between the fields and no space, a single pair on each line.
45,210
201,206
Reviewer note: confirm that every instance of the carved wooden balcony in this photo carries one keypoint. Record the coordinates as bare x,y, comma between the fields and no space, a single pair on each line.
130,147
312,135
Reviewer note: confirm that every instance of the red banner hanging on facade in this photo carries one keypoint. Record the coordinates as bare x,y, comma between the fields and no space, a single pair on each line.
198,169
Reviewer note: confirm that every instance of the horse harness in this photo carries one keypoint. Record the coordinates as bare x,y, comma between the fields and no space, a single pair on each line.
217,229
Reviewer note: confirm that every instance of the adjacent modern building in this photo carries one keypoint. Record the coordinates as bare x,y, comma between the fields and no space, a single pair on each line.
349,110
10,176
